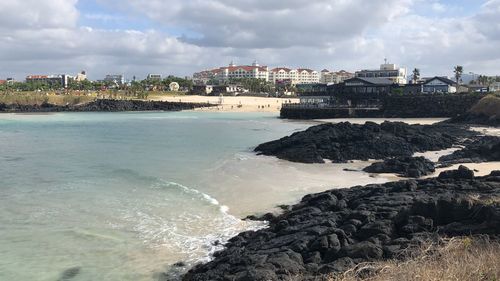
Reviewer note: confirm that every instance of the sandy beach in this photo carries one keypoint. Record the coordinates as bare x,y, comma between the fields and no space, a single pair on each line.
233,104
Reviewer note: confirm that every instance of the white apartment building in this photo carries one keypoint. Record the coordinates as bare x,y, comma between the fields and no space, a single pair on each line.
293,76
332,77
387,70
254,71
82,76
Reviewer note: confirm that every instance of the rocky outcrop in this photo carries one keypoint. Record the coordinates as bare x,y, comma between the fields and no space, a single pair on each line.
344,141
334,230
486,112
483,149
411,167
104,105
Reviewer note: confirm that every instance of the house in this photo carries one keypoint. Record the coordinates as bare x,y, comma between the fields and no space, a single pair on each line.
439,85
359,85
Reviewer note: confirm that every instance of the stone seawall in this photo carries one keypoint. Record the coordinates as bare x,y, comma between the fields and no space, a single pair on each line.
103,105
395,106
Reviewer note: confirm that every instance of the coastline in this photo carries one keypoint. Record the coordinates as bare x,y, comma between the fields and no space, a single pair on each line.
293,244
102,105
233,104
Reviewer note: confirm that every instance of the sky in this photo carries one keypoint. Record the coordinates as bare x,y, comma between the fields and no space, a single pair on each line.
179,37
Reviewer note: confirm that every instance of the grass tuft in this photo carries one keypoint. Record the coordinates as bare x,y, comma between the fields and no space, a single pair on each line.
459,258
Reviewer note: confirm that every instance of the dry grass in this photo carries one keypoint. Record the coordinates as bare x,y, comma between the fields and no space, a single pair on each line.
457,259
489,106
484,200
31,98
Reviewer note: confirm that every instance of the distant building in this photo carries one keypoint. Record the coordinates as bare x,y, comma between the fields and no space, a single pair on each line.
331,77
254,71
115,78
80,77
387,71
51,80
361,85
495,87
469,77
283,75
156,77
215,90
439,85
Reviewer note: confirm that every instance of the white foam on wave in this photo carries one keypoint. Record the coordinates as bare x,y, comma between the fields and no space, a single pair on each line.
194,232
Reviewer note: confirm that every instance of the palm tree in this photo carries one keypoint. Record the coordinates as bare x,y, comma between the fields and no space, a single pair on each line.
416,75
458,73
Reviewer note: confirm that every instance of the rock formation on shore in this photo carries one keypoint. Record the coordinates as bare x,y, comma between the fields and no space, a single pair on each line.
486,112
103,105
345,141
483,149
411,167
334,230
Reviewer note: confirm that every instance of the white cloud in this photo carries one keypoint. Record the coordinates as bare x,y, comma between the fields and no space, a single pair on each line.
44,36
35,14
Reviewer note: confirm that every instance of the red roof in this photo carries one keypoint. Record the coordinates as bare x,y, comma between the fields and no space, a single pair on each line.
3,82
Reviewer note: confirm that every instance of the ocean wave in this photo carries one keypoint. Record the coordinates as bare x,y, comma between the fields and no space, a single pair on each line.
194,230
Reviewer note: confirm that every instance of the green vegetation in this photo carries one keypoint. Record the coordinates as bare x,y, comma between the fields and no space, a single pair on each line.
458,70
416,75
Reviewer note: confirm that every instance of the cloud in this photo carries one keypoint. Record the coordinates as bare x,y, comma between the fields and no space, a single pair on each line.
271,24
33,14
45,36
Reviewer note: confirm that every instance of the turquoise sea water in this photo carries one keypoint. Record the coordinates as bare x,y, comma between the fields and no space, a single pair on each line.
122,196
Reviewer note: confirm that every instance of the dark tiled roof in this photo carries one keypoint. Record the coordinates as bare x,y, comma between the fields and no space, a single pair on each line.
442,79
375,81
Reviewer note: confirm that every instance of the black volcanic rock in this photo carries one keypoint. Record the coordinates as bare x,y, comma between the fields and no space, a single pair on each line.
344,141
483,149
332,231
104,105
412,167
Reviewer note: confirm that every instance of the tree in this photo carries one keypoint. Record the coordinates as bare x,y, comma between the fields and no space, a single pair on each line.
459,70
416,75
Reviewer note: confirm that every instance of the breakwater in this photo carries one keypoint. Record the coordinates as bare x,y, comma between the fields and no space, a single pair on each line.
385,106
102,105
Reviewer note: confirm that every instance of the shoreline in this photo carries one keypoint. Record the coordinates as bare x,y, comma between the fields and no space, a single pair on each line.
299,243
332,231
233,104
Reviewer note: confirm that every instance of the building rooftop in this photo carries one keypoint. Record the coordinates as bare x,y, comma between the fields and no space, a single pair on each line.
374,81
443,79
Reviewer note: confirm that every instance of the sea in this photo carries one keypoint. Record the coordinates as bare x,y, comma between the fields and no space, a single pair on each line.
125,196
